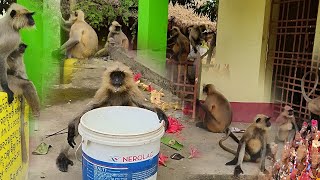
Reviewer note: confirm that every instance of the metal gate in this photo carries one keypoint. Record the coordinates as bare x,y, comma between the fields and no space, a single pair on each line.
292,34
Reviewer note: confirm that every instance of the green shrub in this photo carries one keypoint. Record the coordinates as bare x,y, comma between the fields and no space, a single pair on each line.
100,13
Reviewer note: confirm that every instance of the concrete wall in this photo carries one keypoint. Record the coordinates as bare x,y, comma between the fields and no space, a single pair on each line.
242,44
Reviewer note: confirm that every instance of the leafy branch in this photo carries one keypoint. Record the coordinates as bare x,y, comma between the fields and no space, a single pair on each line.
100,13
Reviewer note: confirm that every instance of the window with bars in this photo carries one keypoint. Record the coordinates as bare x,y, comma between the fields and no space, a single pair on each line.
292,34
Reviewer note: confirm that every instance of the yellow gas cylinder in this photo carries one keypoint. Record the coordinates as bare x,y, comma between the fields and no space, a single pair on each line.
69,68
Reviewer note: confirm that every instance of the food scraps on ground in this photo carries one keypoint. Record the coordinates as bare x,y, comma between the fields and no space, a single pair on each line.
174,125
176,156
194,152
42,149
162,160
170,142
187,110
137,77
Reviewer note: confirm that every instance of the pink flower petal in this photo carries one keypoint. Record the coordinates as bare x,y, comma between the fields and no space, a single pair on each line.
314,122
162,159
174,125
194,152
137,76
150,88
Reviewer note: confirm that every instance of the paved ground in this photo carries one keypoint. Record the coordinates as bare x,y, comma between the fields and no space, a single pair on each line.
209,166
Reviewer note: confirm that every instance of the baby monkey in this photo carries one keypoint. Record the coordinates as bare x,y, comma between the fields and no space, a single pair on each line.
18,79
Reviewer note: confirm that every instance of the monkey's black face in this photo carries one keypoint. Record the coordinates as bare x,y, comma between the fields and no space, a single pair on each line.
205,89
31,21
22,48
118,28
117,78
268,123
290,112
264,121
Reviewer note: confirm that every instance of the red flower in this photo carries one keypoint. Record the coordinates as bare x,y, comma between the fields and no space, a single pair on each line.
194,152
314,122
305,176
305,124
174,125
162,159
149,89
187,110
137,77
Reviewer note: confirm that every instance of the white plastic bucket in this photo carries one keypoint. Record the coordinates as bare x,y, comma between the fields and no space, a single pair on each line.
120,142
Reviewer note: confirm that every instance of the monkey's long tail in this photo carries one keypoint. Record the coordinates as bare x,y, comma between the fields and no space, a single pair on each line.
304,94
228,133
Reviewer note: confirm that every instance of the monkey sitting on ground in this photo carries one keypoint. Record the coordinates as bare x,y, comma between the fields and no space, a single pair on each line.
117,89
313,105
18,80
16,18
83,40
218,112
253,145
196,35
285,121
115,38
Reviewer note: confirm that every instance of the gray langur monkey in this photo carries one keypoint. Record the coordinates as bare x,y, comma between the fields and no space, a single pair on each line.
16,18
253,145
116,38
18,80
15,62
117,89
196,35
83,40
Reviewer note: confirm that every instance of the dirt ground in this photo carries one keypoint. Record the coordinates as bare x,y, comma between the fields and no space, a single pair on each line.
209,166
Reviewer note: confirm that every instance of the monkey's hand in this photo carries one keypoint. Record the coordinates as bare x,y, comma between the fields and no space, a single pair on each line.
5,88
71,135
162,117
237,171
57,54
265,171
195,50
63,162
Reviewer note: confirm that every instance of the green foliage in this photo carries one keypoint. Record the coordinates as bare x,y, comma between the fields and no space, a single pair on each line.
100,13
210,8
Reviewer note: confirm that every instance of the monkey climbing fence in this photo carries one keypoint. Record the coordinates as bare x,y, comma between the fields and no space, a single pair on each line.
188,92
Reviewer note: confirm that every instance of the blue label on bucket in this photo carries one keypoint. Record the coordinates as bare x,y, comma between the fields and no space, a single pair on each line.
93,169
